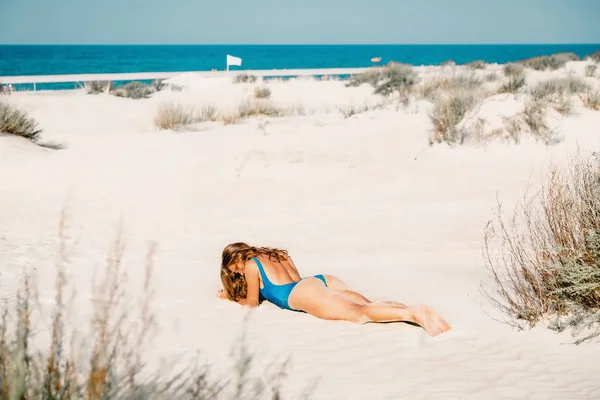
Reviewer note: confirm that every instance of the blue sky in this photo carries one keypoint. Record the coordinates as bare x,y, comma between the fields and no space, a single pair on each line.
303,21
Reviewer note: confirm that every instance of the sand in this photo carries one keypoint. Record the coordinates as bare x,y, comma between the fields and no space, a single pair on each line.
364,198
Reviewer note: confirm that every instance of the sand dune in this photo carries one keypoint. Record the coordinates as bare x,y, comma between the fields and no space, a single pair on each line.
365,198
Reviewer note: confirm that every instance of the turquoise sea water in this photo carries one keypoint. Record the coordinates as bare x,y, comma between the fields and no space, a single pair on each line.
79,59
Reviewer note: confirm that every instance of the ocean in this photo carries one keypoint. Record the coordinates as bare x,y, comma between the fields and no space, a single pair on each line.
79,59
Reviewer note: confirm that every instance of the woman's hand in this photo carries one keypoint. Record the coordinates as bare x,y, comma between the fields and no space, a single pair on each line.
222,295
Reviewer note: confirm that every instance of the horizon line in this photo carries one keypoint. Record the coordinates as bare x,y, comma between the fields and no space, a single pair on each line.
305,44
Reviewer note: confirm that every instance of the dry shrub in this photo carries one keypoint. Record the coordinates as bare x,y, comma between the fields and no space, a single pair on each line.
134,90
477,64
594,56
120,333
16,122
591,100
545,259
262,92
491,77
513,69
395,77
590,70
433,87
370,76
514,84
96,87
552,62
448,111
245,78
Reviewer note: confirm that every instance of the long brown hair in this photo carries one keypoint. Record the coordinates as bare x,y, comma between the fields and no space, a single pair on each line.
238,253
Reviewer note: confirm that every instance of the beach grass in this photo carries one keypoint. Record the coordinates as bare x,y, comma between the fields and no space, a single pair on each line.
175,115
591,99
262,92
448,111
18,123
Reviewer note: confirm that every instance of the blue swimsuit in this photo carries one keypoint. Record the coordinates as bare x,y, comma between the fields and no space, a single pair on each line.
278,294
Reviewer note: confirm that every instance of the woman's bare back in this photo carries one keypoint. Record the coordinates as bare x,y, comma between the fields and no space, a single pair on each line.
279,272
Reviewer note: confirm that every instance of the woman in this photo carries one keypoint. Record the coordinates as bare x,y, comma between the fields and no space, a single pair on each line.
248,273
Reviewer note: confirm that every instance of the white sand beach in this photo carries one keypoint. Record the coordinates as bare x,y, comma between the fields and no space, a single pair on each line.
365,198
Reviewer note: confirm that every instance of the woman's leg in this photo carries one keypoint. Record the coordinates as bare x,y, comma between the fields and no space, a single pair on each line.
336,284
312,297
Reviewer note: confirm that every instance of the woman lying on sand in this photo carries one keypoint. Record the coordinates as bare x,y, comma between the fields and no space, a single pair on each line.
247,272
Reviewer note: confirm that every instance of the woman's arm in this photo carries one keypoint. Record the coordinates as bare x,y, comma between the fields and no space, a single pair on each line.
253,285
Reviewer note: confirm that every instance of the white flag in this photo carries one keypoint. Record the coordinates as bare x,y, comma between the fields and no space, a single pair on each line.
231,60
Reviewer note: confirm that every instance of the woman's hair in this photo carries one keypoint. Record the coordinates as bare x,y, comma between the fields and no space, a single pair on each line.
234,283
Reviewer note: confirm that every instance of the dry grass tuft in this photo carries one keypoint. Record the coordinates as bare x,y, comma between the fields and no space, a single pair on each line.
557,92
591,100
448,111
439,85
249,108
514,84
534,117
590,70
557,89
551,62
262,92
175,115
545,259
16,122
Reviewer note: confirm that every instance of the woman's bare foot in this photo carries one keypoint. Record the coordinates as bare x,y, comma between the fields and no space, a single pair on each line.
431,321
